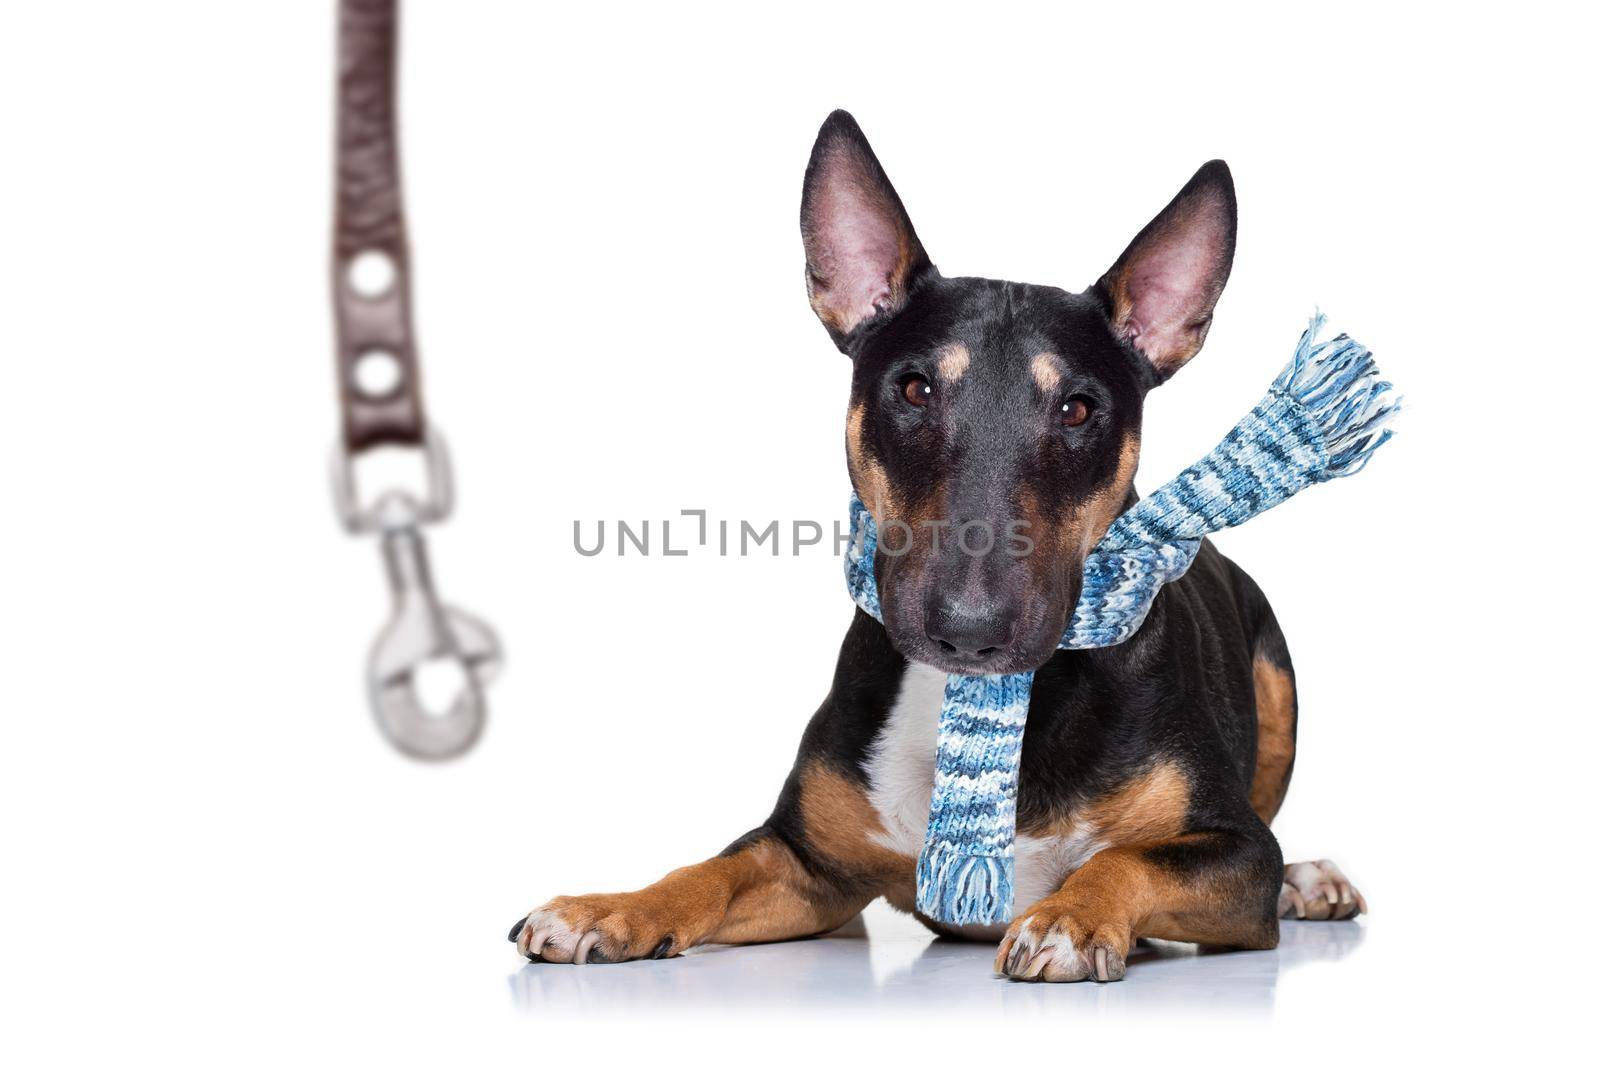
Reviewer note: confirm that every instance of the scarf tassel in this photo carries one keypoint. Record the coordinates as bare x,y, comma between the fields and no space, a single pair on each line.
963,889
1337,384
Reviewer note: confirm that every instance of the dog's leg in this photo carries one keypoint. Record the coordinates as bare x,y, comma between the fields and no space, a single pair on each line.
1318,890
1215,888
1277,715
755,891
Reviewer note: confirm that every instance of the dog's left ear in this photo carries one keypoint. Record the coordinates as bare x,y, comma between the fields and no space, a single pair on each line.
1162,291
862,256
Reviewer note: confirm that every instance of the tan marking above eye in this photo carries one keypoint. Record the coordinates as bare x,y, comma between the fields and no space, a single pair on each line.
1046,372
954,359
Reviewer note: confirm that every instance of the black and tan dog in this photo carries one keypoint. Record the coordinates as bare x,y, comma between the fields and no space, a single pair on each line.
1150,769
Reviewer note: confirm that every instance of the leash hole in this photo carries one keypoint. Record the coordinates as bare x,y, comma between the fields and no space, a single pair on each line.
377,373
371,274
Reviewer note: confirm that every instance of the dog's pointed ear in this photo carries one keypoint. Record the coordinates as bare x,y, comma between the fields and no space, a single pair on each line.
1161,293
862,256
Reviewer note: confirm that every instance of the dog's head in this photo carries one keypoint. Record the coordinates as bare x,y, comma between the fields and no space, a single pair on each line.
993,430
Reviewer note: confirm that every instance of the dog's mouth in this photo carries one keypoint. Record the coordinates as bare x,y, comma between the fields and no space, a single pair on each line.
1010,663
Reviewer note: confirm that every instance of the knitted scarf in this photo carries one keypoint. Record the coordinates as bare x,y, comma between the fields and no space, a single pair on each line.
1323,418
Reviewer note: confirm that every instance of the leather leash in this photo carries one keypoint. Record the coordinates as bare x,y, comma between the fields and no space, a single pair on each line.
380,394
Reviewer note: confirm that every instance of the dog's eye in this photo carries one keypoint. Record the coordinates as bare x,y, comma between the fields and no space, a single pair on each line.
917,390
1075,410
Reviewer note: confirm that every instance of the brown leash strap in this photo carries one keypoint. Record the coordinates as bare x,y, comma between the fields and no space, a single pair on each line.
371,264
380,394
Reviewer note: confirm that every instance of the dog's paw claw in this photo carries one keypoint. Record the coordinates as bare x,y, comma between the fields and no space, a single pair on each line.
604,928
1047,945
1109,965
584,953
1318,890
517,929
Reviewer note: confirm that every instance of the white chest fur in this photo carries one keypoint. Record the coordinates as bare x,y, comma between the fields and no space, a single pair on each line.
900,772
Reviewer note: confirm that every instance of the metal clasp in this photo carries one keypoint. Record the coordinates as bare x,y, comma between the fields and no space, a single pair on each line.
421,629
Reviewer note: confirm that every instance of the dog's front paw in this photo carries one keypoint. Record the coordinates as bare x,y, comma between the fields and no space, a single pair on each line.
1057,942
598,928
1318,890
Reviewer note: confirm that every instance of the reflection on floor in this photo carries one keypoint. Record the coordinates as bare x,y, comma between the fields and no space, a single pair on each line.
890,962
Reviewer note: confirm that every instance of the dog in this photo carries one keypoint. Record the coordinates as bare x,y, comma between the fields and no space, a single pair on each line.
1151,769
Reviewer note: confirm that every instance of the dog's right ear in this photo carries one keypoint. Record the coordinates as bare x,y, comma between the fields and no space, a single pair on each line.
862,256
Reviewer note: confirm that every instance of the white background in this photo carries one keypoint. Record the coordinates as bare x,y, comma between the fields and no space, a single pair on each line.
208,851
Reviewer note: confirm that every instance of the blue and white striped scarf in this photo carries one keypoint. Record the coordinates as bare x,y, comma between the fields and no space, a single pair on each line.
1323,418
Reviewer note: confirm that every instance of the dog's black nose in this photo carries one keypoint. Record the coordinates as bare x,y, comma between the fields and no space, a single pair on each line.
967,634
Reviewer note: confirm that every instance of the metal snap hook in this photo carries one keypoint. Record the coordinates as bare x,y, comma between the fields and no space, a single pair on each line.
422,630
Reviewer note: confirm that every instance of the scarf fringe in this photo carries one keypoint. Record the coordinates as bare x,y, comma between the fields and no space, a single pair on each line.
1338,385
961,889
